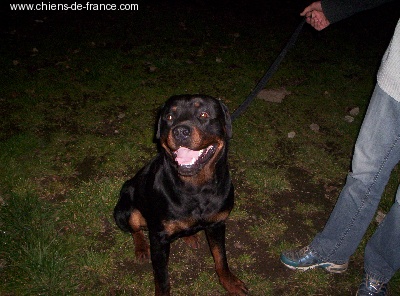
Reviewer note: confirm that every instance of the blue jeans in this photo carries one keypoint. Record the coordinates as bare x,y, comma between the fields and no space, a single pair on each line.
376,153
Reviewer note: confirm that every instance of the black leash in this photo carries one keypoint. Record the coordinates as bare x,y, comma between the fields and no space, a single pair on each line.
271,71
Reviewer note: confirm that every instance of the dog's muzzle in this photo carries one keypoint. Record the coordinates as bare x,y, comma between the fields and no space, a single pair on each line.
192,161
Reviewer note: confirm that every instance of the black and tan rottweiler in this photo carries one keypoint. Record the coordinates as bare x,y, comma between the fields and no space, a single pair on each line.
184,189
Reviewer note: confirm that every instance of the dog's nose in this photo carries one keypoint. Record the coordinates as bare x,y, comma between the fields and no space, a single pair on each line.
181,132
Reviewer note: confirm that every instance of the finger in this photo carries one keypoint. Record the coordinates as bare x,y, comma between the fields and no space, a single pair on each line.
309,17
314,21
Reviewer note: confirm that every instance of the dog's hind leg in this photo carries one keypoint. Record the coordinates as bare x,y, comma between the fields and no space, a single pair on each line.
192,241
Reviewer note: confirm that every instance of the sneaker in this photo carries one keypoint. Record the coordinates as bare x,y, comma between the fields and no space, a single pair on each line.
305,259
372,287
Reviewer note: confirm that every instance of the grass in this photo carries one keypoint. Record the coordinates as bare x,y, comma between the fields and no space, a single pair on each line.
78,116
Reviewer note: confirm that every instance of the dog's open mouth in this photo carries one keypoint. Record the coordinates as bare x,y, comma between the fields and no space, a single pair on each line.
191,161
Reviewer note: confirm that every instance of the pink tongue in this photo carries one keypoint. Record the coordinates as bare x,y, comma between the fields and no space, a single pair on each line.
185,156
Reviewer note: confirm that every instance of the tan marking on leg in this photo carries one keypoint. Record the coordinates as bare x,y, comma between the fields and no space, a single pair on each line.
136,221
142,248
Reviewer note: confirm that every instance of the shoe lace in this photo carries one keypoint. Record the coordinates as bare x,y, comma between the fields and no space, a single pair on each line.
374,285
303,251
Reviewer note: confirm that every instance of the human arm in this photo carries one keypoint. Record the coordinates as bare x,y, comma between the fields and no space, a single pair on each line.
337,10
321,14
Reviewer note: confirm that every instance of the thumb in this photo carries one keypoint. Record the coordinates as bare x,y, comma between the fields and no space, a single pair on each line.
306,10
313,6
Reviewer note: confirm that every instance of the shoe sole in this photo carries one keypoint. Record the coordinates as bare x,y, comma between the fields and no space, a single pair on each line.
327,266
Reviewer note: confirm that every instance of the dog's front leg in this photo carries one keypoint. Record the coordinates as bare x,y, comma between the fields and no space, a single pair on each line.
216,242
159,259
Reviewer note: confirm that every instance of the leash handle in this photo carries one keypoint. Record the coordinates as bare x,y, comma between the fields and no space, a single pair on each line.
271,71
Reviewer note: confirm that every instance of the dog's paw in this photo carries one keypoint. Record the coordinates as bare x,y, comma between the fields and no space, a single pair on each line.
142,256
239,290
234,286
192,241
142,248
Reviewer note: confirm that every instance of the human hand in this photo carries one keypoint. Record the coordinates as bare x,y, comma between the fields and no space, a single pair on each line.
315,16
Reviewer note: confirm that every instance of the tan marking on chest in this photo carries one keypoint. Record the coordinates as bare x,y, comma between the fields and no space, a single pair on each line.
175,226
221,216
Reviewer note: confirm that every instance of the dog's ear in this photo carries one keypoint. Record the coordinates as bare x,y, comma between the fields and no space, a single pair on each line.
158,132
228,121
160,114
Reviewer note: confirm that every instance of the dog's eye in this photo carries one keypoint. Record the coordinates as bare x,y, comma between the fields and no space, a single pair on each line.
204,115
169,117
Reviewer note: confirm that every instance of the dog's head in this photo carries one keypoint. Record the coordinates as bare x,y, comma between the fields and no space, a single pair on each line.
194,131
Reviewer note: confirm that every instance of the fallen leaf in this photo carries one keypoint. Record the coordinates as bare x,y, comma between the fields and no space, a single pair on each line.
379,217
273,95
354,111
314,127
349,118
